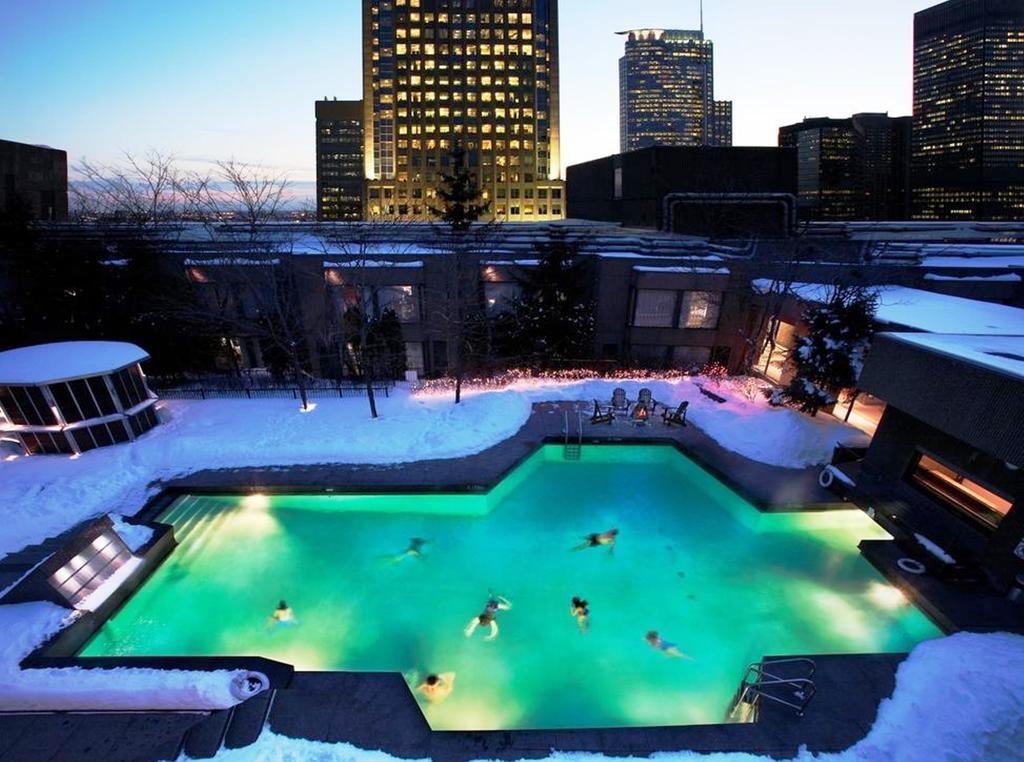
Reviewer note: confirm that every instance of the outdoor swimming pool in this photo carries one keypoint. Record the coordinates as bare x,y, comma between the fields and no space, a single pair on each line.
693,560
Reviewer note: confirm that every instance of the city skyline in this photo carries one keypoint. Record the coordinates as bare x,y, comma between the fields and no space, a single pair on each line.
147,77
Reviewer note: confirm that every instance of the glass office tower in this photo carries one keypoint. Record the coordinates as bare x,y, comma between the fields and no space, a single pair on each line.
480,74
339,160
968,141
666,91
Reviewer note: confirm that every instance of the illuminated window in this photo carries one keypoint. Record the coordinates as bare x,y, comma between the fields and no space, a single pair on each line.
700,309
957,491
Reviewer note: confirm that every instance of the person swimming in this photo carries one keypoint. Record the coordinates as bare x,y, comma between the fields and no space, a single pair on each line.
415,550
669,649
580,610
606,539
436,688
488,617
283,614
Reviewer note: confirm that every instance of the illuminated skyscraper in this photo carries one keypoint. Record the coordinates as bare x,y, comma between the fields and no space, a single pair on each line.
968,143
339,160
482,74
667,92
852,169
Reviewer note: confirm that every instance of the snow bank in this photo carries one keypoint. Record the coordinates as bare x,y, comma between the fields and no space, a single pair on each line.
28,625
748,426
45,495
958,698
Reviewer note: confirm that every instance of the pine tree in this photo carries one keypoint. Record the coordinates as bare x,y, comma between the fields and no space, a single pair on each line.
461,207
552,319
459,195
830,356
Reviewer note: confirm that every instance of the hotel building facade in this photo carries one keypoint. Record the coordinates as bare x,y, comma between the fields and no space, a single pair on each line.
477,74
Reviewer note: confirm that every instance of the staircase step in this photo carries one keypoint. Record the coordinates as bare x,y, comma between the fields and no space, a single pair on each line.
204,740
249,721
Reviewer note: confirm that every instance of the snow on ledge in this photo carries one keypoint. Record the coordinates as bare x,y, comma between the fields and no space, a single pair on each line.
27,625
681,270
374,263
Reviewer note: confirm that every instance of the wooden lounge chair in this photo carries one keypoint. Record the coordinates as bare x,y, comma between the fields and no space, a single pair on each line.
678,416
646,399
619,401
602,415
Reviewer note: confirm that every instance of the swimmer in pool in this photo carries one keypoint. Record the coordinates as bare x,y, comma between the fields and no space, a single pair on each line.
487,618
283,614
669,649
606,539
415,550
580,611
436,688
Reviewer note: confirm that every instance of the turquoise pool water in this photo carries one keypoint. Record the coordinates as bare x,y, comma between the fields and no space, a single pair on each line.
692,560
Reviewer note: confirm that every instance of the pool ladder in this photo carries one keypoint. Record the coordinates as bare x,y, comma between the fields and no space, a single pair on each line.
764,681
573,449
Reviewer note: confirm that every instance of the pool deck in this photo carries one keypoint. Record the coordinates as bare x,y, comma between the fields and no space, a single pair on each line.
770,488
376,711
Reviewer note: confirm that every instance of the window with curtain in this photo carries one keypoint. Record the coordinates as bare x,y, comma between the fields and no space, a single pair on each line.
654,308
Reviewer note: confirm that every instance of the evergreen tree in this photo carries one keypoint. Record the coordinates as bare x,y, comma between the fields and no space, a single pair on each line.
459,195
830,356
461,316
552,319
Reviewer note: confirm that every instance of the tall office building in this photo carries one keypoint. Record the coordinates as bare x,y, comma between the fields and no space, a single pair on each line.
852,169
339,160
968,144
667,91
480,74
34,180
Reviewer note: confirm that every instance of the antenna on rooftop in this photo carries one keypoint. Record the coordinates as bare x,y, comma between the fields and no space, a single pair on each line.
702,16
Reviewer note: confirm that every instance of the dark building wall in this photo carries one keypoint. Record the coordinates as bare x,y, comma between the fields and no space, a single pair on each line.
339,160
968,143
630,188
35,177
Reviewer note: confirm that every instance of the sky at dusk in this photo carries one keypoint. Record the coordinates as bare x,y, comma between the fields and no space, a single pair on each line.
208,80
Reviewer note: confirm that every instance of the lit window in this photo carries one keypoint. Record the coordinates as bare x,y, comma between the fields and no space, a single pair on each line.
956,490
701,309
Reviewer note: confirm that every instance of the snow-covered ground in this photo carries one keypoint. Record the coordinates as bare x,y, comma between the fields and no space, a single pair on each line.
959,698
44,495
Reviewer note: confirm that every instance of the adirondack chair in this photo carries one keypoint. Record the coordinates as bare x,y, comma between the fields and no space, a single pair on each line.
619,401
602,415
646,399
677,416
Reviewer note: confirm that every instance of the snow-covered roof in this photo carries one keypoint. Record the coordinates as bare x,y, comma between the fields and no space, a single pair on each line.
1008,278
357,263
1004,354
925,310
681,270
50,363
232,262
511,263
